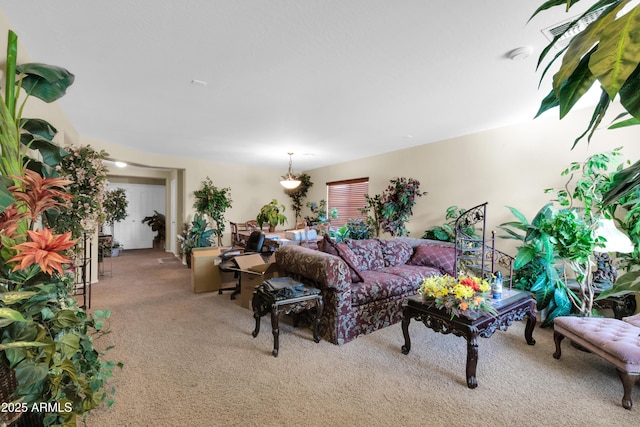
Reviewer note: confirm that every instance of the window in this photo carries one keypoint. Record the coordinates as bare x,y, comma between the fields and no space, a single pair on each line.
348,198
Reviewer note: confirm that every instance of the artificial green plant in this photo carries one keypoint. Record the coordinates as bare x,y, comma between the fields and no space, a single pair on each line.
606,52
271,213
446,232
319,213
391,210
299,193
195,235
158,223
115,207
213,202
18,134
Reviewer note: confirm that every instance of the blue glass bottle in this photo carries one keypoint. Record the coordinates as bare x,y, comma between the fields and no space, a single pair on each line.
496,286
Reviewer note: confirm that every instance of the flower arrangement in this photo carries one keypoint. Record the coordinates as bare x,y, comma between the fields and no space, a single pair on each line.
462,296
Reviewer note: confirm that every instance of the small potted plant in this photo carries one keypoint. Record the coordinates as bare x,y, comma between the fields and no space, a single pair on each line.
196,235
116,248
157,222
271,214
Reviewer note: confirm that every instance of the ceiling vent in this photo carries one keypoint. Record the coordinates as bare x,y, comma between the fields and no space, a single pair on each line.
551,32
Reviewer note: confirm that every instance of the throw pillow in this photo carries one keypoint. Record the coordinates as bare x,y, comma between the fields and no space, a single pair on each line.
352,261
440,257
395,252
329,245
369,253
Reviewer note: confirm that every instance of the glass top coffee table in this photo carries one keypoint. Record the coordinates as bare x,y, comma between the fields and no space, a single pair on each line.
514,305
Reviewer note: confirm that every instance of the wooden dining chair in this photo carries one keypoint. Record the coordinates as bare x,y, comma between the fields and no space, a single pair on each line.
235,238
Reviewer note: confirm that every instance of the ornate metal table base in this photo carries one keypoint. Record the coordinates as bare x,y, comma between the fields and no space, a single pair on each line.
264,303
515,305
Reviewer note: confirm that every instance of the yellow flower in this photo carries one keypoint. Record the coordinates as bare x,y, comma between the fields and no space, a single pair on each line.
462,291
462,295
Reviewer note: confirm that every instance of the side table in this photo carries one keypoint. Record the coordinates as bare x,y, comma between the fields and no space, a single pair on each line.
514,305
266,300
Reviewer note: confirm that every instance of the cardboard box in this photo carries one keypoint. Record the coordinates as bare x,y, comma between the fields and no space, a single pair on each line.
253,271
301,235
205,274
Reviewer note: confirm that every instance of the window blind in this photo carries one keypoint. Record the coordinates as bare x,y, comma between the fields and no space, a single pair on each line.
347,197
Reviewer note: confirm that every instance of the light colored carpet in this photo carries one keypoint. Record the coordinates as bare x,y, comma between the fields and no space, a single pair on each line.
190,360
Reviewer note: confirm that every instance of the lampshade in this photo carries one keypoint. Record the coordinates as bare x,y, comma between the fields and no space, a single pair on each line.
617,241
289,182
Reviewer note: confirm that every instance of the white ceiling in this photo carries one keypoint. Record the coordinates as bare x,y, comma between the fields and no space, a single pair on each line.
330,80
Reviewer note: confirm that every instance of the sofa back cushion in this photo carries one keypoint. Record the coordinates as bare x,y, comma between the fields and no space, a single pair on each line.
443,258
369,253
395,252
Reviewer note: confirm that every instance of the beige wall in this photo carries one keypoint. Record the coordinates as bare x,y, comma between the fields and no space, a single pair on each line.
510,166
35,107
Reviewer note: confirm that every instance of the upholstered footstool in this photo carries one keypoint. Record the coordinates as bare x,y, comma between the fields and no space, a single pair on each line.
634,320
616,341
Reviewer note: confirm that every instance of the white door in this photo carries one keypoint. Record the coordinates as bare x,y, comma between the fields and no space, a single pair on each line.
132,233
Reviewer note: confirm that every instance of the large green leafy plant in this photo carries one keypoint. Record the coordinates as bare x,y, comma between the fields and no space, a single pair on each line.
19,134
606,52
565,235
213,201
391,210
46,340
397,204
373,213
595,176
83,165
271,214
554,237
115,206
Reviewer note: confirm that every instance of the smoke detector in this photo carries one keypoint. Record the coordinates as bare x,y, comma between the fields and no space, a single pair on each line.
521,53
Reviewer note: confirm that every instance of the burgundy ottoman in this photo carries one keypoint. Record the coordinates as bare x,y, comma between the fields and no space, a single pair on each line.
616,341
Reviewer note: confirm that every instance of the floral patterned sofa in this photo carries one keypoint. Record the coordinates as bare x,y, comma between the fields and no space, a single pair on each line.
364,282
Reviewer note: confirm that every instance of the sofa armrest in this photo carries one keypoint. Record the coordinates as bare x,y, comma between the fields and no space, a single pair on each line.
320,268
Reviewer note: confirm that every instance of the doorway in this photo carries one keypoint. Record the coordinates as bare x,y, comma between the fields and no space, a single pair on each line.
143,200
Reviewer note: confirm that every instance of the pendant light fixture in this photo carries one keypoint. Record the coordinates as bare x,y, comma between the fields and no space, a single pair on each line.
289,182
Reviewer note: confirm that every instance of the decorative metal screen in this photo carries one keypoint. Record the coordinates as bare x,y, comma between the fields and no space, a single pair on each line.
475,254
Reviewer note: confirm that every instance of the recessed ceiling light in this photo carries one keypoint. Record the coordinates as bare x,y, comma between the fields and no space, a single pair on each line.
120,164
